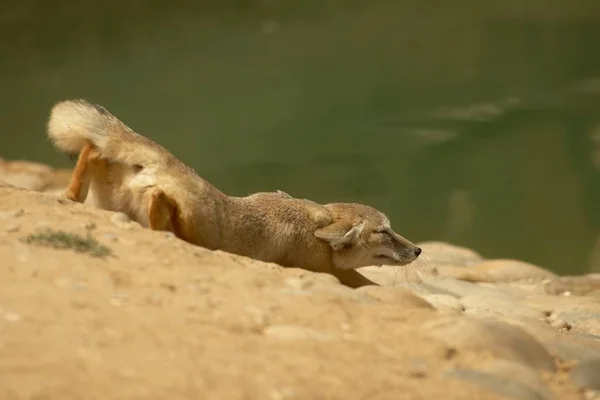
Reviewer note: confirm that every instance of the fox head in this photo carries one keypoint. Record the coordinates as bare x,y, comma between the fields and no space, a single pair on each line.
361,236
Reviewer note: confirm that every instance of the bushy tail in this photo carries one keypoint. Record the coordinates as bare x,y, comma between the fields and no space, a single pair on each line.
73,123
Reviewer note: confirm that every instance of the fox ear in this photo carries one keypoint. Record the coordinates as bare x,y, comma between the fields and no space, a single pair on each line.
339,233
284,194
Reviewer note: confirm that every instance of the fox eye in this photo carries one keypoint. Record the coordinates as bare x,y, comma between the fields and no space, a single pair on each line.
385,233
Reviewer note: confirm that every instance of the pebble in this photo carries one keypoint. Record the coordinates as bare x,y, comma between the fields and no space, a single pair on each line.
560,325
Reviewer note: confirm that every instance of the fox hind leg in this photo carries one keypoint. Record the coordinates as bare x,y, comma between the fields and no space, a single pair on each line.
162,212
80,178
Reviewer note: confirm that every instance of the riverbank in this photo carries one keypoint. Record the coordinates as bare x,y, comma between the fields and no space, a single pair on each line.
101,308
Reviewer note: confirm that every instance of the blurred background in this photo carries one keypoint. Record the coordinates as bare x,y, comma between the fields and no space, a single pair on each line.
472,122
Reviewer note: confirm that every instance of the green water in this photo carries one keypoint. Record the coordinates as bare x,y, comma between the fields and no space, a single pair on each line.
464,121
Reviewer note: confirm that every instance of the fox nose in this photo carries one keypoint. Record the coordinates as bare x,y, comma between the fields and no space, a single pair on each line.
418,251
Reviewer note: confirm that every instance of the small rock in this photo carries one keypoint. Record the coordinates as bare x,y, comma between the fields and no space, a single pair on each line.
587,374
503,340
169,235
560,325
292,332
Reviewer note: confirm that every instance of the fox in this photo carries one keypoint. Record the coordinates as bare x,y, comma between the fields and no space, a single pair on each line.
119,170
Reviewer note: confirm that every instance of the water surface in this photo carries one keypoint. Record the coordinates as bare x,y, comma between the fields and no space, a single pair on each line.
476,124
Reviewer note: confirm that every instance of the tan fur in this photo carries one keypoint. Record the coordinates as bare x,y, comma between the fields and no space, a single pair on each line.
120,170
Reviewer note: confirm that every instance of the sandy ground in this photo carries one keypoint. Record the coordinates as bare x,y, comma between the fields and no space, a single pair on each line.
162,319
